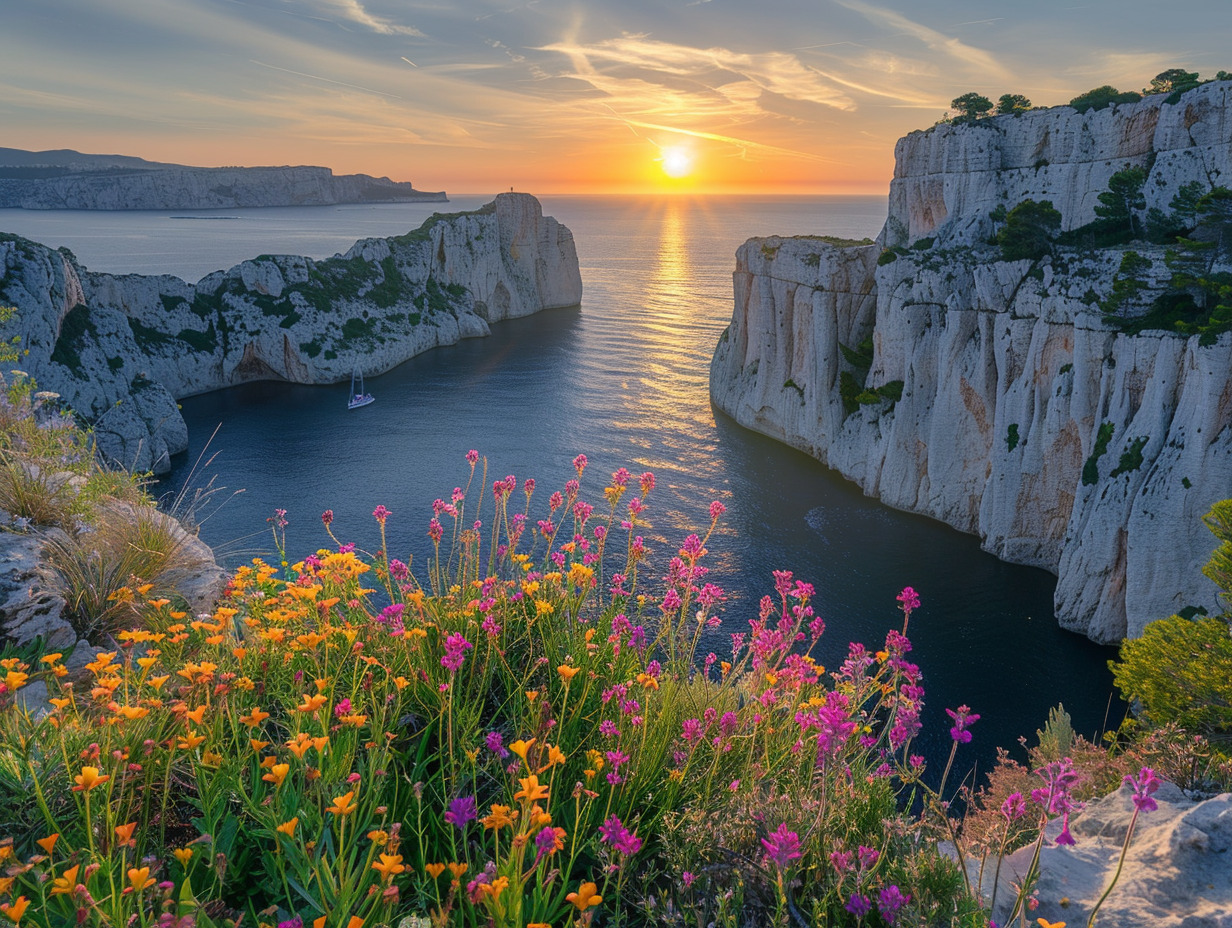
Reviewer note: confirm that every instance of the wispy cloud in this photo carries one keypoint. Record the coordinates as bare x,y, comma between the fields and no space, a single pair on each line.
953,48
776,72
355,12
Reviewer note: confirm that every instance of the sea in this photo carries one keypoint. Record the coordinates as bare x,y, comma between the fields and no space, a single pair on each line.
623,379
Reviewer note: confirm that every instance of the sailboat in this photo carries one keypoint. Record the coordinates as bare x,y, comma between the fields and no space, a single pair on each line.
358,397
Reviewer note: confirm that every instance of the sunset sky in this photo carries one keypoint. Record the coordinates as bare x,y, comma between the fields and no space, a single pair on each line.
563,96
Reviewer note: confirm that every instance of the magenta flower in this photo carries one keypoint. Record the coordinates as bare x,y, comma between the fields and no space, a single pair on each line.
380,513
868,856
1143,786
782,846
614,832
456,647
963,717
327,516
496,744
716,509
472,457
909,600
461,811
1014,807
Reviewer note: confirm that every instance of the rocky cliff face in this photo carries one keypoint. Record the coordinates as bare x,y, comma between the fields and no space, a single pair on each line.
991,395
121,349
176,187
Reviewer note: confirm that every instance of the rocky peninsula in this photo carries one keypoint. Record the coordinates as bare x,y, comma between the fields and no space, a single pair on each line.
121,349
68,179
992,394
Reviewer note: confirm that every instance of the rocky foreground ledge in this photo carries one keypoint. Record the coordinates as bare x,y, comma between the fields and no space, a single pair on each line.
121,349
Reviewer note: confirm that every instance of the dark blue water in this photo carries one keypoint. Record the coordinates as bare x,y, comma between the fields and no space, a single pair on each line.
623,379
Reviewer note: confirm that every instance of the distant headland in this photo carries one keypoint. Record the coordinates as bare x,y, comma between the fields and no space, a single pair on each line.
67,179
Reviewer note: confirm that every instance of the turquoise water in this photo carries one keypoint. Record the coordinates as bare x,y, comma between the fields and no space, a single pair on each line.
623,379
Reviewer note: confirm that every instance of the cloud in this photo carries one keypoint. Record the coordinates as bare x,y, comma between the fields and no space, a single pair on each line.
977,58
354,11
777,72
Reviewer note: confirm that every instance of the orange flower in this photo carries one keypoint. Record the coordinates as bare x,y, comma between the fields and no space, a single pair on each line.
88,779
555,755
457,870
585,897
49,842
355,922
14,910
356,721
277,774
125,834
255,717
343,805
500,818
531,790
311,703
495,888
434,870
191,741
1044,923
66,882
389,866
567,673
139,878
197,715
258,746
183,855
520,747
288,827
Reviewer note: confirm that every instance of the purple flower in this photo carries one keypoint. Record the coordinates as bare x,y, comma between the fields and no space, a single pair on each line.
1014,807
782,846
461,811
496,744
868,856
614,832
858,905
687,878
380,513
691,730
890,900
1065,837
840,861
909,600
1143,786
963,718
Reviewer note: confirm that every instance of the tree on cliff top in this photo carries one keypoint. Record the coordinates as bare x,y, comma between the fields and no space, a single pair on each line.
1012,104
1173,80
1029,230
1101,97
970,106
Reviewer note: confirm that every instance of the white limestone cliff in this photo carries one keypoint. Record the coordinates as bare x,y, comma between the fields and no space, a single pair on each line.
1008,375
121,349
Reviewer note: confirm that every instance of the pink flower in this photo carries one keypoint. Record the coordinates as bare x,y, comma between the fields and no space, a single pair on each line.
909,600
716,509
782,847
1143,786
380,513
472,456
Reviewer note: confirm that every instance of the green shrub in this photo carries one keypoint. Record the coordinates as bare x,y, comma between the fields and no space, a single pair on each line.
1090,470
1102,97
1011,436
1029,230
1131,457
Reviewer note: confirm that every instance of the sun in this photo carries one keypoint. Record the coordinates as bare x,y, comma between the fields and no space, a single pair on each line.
677,161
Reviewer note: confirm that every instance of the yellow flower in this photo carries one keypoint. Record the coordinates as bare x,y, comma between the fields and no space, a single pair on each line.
532,790
49,842
343,805
66,882
277,774
520,747
495,888
139,878
389,866
288,827
567,673
15,679
14,910
88,779
183,855
586,896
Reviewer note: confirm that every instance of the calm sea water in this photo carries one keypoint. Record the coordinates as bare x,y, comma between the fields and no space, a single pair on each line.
623,379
